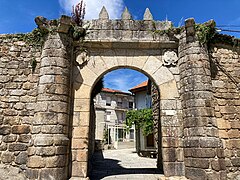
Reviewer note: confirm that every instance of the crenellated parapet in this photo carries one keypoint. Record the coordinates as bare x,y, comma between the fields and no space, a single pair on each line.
127,29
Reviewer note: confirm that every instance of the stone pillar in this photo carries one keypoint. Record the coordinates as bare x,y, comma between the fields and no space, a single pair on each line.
48,156
203,153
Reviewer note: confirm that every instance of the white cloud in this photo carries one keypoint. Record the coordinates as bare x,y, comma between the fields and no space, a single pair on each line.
93,7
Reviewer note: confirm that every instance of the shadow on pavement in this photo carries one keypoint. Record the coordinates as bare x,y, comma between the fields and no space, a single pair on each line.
109,167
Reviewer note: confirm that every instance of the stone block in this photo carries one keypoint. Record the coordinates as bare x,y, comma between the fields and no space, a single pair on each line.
7,157
199,152
191,142
21,158
169,90
233,133
83,91
202,163
194,131
139,62
17,147
61,150
55,161
19,106
236,162
233,144
173,169
58,107
86,76
223,134
172,132
31,151
35,162
28,86
223,124
168,104
36,129
4,130
195,173
169,154
17,92
163,75
21,129
84,118
180,155
82,105
61,140
52,129
79,169
76,119
24,138
80,132
32,173
79,143
46,79
214,175
218,164
45,151
9,138
53,173
170,142
49,118
43,141
10,112
227,109
152,64
235,124
207,142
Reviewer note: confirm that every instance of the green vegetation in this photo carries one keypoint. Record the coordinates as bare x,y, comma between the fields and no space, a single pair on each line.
143,119
205,33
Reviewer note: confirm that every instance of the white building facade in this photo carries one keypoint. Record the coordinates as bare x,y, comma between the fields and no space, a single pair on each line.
111,107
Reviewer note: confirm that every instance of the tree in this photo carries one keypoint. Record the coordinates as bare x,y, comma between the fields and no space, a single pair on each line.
143,119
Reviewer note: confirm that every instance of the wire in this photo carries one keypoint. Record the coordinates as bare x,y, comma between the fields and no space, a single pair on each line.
228,30
228,26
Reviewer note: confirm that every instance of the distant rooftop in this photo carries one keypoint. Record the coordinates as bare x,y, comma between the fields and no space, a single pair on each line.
114,91
140,87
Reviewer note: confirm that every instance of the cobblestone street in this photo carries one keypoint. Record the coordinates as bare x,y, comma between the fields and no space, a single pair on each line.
123,164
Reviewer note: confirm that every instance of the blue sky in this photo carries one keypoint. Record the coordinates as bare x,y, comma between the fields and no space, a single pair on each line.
17,16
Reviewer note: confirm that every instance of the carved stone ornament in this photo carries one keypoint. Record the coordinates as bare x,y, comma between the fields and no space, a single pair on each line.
170,58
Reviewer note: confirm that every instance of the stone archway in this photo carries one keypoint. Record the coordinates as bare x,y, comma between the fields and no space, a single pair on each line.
102,61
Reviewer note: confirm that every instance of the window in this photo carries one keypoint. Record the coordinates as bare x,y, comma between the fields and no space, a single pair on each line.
119,103
108,101
108,115
130,105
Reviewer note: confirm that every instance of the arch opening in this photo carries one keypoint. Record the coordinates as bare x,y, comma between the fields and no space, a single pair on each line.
113,142
86,78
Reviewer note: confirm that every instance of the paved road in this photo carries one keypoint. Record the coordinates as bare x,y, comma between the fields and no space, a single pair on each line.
123,164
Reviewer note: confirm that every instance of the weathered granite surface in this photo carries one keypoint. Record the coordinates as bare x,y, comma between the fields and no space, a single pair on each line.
46,115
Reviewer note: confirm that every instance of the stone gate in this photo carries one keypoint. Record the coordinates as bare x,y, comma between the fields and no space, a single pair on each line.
46,120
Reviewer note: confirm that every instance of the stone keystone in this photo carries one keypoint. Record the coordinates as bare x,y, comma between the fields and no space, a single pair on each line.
126,14
103,14
147,15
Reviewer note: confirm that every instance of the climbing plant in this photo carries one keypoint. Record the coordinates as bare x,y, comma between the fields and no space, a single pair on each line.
35,39
143,119
205,32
